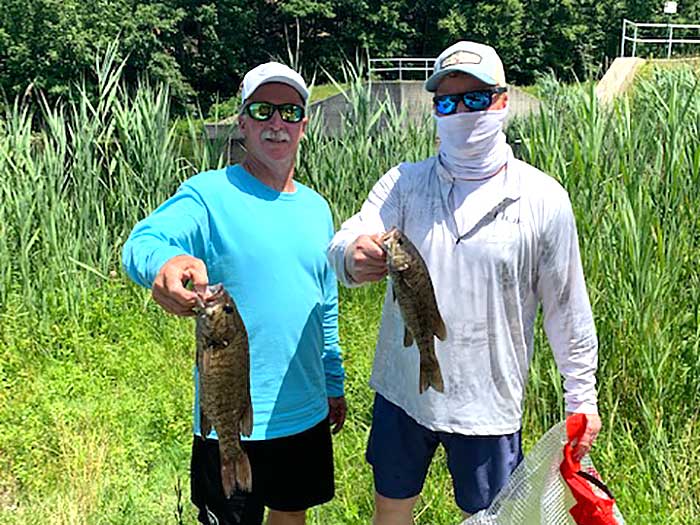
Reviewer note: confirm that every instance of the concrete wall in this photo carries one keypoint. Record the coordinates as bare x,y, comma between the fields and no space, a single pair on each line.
227,131
334,108
617,78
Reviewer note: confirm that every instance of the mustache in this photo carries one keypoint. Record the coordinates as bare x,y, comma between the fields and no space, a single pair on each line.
278,135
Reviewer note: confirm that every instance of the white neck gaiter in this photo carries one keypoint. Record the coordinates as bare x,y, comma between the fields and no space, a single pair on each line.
473,145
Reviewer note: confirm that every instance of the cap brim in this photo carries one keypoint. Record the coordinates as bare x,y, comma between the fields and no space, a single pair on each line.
432,83
302,90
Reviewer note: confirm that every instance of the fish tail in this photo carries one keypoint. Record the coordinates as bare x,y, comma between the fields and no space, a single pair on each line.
236,472
430,375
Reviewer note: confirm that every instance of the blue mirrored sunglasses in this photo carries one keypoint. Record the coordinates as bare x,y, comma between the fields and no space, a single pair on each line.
473,100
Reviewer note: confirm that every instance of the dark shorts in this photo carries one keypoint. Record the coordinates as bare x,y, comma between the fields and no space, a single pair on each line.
400,451
290,474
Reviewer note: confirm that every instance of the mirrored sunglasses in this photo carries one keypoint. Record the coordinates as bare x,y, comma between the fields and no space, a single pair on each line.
262,111
473,100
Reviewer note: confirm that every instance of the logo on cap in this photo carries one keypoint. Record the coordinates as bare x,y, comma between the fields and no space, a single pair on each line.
460,57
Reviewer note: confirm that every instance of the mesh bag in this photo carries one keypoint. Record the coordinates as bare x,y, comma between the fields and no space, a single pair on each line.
537,492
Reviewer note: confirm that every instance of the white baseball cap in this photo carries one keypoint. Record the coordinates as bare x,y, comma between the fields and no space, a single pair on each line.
272,72
478,60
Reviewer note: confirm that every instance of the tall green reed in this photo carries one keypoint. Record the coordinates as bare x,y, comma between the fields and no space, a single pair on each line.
76,176
631,171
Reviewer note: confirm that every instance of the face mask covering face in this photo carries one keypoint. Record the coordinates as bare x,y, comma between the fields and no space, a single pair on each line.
473,145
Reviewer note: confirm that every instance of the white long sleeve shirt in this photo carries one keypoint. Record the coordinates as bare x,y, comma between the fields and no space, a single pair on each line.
495,251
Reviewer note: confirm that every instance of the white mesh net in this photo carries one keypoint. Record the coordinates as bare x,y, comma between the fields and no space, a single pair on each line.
536,493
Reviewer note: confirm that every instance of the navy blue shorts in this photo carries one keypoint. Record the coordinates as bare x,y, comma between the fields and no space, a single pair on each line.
400,451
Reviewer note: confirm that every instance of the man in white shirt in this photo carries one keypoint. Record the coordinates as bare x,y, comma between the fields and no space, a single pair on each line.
499,239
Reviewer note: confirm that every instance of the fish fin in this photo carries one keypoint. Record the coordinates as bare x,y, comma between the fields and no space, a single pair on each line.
246,423
407,337
431,376
393,290
204,424
205,360
440,329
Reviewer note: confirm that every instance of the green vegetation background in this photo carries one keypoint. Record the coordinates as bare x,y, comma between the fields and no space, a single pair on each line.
95,380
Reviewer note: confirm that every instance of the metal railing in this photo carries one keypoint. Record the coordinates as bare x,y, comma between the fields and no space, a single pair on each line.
669,39
404,68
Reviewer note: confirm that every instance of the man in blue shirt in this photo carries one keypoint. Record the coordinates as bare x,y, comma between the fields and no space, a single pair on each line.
263,235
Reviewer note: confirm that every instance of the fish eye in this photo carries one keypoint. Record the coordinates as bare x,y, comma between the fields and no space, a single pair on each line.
228,309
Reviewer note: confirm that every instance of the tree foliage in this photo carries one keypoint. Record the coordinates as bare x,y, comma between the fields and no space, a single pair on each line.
202,48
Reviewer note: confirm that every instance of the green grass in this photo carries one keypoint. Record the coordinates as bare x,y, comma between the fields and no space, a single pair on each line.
92,413
324,91
95,380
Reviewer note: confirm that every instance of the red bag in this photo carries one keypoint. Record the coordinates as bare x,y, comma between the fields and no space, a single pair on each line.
591,508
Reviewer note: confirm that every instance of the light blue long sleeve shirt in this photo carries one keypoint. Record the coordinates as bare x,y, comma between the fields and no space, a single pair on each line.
269,250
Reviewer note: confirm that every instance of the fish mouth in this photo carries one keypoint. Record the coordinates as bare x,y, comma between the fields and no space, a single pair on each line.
389,243
209,297
388,236
396,257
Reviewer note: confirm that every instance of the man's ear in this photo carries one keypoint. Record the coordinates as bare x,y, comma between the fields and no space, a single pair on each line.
502,100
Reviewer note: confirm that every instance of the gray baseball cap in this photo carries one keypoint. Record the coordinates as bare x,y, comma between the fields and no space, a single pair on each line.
478,60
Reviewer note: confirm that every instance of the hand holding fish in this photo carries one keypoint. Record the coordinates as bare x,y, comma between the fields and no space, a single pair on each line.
365,259
169,290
